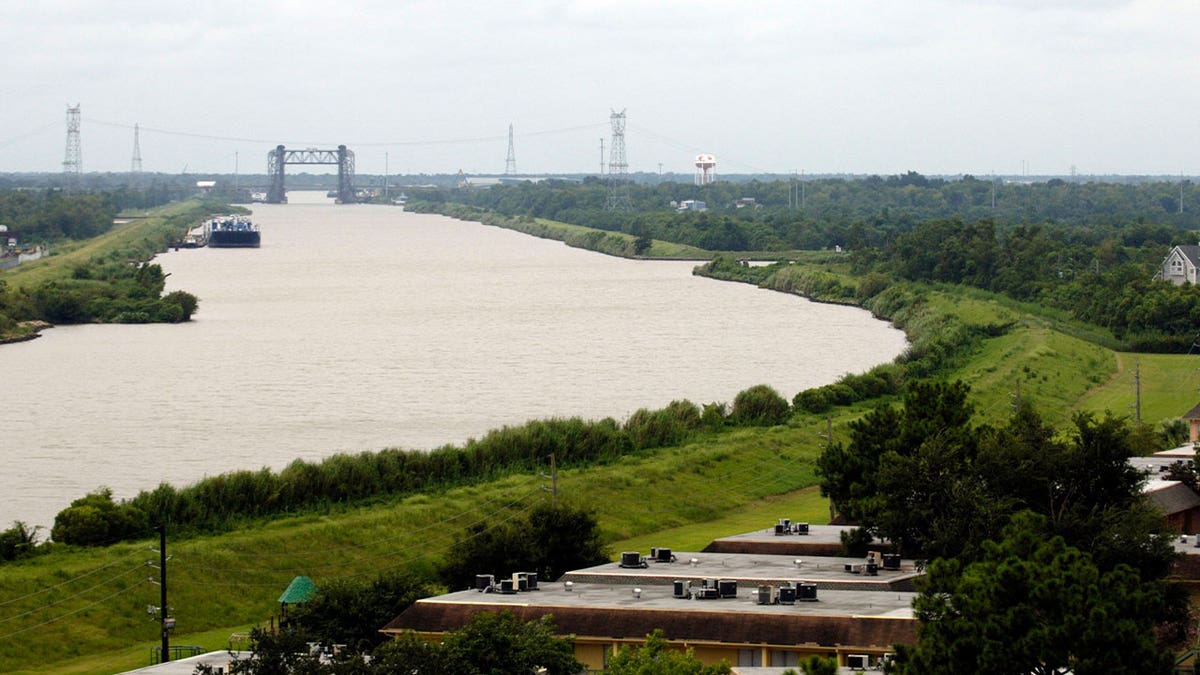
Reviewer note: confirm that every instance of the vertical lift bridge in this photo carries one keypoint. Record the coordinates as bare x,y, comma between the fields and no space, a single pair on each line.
277,158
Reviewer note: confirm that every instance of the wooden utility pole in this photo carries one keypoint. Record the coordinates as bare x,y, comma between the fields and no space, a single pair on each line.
1137,386
553,489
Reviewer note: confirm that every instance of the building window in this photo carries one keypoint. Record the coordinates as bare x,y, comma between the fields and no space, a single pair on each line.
783,657
749,657
1177,265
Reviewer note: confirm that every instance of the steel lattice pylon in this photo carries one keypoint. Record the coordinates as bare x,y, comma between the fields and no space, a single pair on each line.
510,164
618,168
280,156
73,162
135,164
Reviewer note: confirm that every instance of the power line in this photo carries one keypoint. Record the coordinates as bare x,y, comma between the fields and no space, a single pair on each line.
293,142
76,595
71,613
68,581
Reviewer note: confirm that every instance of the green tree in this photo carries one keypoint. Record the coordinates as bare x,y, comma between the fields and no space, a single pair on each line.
351,611
656,657
499,644
96,520
551,541
819,665
759,405
1033,604
18,541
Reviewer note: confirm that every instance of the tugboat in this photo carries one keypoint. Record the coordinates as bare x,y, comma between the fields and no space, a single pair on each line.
232,232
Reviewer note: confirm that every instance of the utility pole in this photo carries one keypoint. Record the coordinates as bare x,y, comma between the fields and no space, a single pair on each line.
166,621
1017,398
601,157
510,162
135,164
72,163
828,435
553,489
1137,386
618,166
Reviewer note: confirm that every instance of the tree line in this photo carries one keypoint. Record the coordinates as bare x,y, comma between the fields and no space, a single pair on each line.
118,286
222,502
826,212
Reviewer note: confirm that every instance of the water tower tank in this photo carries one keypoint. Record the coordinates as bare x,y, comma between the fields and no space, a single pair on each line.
706,166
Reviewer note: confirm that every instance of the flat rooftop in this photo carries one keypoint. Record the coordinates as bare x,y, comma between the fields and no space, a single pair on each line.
750,570
889,604
863,619
824,540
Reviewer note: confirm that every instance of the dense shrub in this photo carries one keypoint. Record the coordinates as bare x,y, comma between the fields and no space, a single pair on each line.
96,520
761,406
222,502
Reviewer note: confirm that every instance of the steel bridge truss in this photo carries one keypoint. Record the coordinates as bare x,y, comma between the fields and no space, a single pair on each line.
280,156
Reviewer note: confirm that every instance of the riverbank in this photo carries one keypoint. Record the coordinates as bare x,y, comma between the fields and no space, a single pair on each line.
88,281
24,330
717,483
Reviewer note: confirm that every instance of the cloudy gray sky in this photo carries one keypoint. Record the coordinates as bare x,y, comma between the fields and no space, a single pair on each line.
936,86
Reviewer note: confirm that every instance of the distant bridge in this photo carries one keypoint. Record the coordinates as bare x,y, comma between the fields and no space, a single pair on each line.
280,156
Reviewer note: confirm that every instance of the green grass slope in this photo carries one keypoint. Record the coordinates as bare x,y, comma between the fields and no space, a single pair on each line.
85,611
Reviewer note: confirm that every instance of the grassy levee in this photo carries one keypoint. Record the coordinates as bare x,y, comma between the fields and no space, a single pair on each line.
1170,387
54,618
137,239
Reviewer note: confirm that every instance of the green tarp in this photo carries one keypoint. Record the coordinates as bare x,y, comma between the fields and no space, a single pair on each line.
301,589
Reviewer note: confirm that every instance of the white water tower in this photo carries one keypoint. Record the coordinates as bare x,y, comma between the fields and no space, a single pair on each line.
706,169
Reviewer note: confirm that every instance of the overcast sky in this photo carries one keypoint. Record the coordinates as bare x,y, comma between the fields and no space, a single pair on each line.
940,87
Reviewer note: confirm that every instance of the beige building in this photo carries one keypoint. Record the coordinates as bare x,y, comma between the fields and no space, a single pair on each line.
749,609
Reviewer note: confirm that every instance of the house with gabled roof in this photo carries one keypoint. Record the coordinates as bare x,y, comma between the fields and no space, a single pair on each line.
1180,265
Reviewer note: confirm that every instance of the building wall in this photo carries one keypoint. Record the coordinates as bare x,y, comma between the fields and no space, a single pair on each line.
1177,269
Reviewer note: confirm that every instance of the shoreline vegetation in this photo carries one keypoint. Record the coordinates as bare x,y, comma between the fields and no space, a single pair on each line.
108,278
722,464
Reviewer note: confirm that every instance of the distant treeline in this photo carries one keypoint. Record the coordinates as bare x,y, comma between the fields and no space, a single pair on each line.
223,502
828,212
52,215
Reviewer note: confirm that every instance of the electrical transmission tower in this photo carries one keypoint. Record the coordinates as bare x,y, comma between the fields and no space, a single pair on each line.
72,164
135,165
510,164
618,167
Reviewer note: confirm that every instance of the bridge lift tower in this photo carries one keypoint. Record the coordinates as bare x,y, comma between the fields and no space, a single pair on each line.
277,158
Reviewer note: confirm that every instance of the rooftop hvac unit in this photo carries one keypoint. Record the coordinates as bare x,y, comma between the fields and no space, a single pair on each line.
483,582
779,530
727,588
682,590
858,661
871,570
506,587
874,557
520,581
787,595
786,523
662,555
1198,541
707,593
891,561
532,577
766,595
800,528
806,592
632,559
